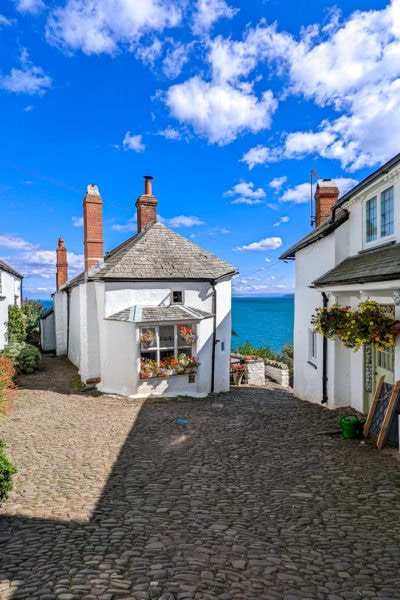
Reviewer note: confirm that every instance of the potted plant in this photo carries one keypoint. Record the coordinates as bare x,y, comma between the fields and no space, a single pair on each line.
238,370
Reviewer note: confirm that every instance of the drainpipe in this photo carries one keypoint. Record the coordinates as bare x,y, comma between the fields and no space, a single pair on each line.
214,340
324,358
68,317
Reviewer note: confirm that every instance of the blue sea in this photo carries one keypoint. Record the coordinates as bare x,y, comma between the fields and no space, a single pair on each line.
262,321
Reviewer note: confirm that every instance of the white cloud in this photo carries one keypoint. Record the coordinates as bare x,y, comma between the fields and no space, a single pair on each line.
300,143
30,6
271,243
149,53
101,26
277,183
11,242
27,80
133,142
4,21
259,155
219,112
170,133
208,12
281,220
77,221
176,58
182,221
246,194
300,194
131,225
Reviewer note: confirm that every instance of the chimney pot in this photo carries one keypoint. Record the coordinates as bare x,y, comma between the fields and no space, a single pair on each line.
146,205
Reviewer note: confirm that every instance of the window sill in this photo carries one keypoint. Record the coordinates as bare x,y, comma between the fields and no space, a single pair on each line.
312,364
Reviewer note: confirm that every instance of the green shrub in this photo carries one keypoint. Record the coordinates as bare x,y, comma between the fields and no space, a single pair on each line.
33,311
16,324
248,350
26,358
7,471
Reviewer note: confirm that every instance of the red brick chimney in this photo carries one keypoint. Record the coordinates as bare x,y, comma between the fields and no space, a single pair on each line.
146,205
92,227
62,264
326,195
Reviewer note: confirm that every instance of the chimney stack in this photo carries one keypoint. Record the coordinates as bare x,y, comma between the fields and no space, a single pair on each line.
326,196
62,264
146,205
93,227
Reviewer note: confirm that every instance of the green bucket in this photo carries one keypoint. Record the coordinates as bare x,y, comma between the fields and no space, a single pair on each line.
349,426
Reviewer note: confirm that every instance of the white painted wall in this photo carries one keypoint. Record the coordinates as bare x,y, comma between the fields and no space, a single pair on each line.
10,294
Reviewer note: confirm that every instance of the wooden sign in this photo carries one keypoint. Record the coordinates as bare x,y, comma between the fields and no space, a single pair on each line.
380,422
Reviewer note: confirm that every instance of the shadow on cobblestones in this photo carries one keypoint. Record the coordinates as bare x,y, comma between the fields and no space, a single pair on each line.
248,500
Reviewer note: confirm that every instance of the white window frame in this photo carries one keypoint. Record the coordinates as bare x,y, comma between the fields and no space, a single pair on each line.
380,234
176,347
312,347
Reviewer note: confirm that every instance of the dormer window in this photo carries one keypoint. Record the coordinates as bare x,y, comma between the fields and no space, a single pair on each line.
177,297
379,216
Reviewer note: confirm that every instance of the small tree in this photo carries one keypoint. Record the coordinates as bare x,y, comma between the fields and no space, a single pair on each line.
16,324
33,311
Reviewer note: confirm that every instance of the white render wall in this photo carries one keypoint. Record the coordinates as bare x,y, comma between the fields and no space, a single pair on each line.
10,294
110,350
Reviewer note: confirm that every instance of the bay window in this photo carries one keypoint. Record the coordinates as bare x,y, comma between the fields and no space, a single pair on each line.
167,350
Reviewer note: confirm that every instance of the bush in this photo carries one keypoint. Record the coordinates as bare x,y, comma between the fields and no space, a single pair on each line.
7,470
26,358
7,375
33,311
16,324
248,350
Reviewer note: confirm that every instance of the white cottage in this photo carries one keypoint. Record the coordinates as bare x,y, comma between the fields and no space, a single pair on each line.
351,256
10,294
121,321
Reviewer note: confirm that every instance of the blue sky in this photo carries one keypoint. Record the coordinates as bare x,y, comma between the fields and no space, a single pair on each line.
227,104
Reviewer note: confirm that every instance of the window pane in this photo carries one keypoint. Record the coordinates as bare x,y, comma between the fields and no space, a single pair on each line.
166,336
387,212
371,220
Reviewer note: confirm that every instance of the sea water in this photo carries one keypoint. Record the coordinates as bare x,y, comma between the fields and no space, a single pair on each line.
263,321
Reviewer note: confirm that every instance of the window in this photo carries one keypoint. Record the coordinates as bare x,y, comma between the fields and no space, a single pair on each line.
164,351
312,347
379,216
177,297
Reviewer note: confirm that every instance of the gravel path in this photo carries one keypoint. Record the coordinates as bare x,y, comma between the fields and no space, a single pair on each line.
248,496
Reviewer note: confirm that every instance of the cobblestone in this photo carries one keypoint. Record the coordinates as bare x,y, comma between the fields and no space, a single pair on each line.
255,498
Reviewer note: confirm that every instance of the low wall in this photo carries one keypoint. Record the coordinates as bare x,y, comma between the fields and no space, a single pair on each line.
277,371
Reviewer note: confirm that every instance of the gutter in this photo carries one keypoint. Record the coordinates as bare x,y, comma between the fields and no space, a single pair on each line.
214,340
324,358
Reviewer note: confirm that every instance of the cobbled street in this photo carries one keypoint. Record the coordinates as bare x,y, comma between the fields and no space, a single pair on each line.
251,495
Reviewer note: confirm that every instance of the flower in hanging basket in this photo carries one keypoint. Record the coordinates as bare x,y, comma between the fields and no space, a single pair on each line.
370,325
147,338
188,335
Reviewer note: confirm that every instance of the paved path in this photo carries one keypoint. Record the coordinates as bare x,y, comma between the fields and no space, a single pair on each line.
251,499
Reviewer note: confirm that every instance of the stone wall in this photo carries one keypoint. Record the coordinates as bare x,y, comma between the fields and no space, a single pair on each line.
278,372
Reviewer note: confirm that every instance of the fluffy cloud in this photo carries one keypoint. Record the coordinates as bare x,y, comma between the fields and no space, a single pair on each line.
11,242
259,155
281,220
42,263
271,243
299,194
246,194
27,80
4,21
207,12
182,221
219,112
29,6
101,26
77,221
277,183
133,142
175,59
170,133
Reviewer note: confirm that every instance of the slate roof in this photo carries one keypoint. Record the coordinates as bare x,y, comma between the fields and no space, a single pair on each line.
381,264
153,314
320,232
158,253
5,267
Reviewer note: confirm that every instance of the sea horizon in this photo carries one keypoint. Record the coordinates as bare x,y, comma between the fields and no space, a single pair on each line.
261,320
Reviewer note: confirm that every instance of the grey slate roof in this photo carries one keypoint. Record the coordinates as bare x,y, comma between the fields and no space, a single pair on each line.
381,264
320,232
154,314
5,267
159,253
